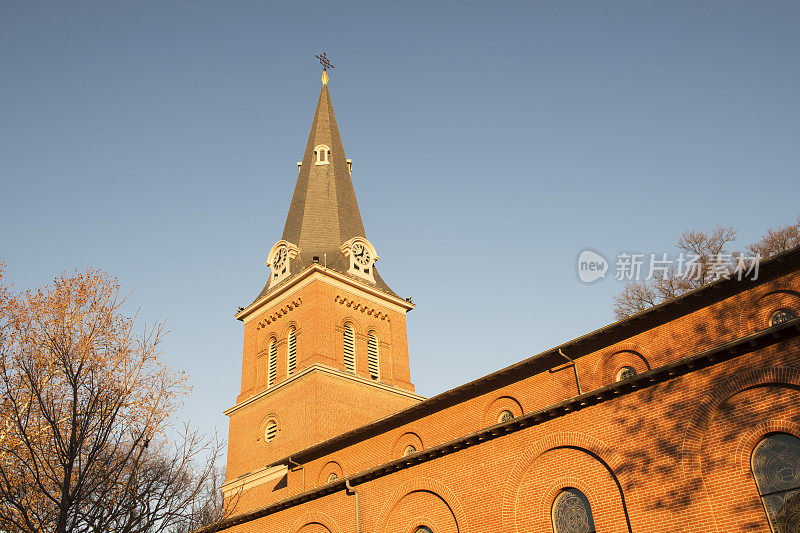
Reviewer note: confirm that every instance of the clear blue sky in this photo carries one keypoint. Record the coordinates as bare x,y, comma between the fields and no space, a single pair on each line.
158,141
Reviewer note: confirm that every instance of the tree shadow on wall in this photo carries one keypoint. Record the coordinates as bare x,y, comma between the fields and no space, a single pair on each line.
660,420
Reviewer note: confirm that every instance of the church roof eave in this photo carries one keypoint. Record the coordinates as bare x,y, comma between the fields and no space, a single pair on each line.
280,289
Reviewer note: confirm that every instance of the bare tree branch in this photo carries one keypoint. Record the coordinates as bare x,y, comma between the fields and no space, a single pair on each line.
706,249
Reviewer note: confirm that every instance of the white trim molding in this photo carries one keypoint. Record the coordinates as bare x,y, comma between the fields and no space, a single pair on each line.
318,272
328,370
252,479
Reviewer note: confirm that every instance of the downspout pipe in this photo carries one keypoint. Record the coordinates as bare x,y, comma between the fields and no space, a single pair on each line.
351,490
574,369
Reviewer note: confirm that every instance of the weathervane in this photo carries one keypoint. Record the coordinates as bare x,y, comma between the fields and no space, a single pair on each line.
326,64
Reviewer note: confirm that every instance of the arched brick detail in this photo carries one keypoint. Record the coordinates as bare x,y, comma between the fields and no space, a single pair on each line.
315,517
264,338
624,347
695,429
580,441
754,316
501,403
748,441
610,360
349,320
331,467
408,437
428,485
776,286
616,360
289,325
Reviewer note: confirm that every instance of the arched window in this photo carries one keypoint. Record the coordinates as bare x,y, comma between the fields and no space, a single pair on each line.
409,450
625,373
776,469
332,477
373,357
272,363
349,348
322,154
781,315
504,416
572,513
423,529
291,341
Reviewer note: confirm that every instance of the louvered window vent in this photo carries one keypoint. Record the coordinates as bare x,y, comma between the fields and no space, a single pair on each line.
349,348
292,342
271,431
373,357
272,364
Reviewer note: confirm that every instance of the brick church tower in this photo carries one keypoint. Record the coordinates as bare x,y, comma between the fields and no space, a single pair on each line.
325,347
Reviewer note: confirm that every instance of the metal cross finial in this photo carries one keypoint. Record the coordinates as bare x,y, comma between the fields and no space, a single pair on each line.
324,61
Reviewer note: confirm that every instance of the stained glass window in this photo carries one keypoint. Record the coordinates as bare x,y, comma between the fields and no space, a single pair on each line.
572,513
776,469
781,315
626,372
505,416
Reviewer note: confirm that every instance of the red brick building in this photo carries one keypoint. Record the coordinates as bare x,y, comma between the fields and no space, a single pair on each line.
683,418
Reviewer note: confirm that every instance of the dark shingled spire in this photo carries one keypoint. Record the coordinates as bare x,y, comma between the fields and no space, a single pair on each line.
324,212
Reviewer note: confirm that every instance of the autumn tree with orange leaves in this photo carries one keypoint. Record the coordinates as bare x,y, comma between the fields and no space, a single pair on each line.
86,442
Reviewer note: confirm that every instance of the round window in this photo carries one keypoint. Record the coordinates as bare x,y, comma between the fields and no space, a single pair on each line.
781,315
409,450
271,431
505,416
625,373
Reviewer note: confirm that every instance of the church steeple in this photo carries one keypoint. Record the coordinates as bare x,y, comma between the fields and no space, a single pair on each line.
325,347
324,221
324,212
